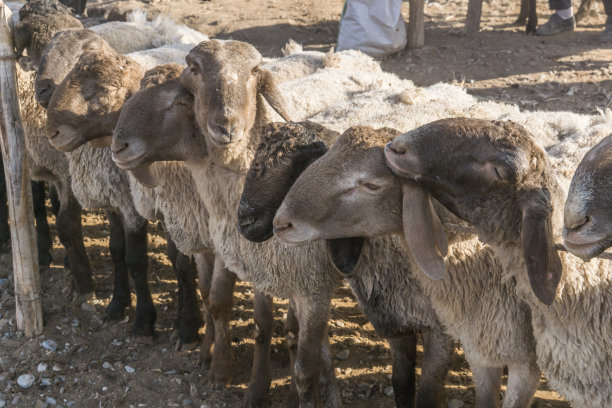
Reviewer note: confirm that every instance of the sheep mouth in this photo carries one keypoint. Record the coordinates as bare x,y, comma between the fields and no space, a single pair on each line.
393,160
128,163
588,250
64,142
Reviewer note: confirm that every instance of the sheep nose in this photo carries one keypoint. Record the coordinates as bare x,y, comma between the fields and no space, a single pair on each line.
396,147
55,133
280,228
574,220
119,147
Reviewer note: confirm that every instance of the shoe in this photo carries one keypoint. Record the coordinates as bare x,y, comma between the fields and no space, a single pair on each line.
606,35
556,25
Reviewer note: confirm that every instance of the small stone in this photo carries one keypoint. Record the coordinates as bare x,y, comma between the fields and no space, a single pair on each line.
2,403
45,382
455,403
42,367
339,323
104,389
49,345
50,401
187,401
70,404
389,391
3,284
343,355
106,365
87,307
25,381
57,368
129,369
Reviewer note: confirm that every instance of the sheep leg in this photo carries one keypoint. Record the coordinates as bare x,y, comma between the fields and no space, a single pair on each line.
583,10
532,20
403,353
522,17
221,300
121,289
205,265
188,318
487,381
293,330
472,20
523,381
261,376
437,355
70,233
328,385
137,263
55,209
43,234
312,317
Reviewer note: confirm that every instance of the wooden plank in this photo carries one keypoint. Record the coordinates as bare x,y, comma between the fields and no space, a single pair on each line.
19,194
416,24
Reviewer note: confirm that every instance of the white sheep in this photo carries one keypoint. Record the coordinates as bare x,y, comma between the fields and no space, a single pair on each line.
517,212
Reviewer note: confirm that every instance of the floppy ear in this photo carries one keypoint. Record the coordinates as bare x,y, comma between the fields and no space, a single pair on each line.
423,230
269,90
544,266
345,254
144,175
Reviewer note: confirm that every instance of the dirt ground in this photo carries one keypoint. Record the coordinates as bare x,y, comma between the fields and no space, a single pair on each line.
92,366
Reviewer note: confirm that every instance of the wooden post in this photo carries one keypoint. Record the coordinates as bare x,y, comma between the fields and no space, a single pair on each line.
19,194
472,21
416,24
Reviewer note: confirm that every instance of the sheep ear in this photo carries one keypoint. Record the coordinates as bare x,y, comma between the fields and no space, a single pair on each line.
269,90
345,254
187,78
423,230
544,266
144,176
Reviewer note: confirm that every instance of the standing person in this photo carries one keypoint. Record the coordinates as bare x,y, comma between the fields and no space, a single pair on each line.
563,20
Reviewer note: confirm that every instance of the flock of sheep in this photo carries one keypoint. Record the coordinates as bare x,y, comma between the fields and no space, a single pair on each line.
449,230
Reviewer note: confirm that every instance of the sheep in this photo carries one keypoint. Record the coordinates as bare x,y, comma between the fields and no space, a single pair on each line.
138,34
349,192
46,163
587,228
286,276
504,185
178,204
385,287
81,106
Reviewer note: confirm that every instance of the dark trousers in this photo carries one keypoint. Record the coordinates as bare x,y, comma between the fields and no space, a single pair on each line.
563,4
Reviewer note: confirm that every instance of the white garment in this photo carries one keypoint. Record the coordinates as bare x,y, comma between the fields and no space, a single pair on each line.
375,27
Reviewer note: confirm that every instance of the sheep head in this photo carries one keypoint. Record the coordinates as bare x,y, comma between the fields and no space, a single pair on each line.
227,82
157,123
59,57
86,104
35,31
493,175
588,210
286,149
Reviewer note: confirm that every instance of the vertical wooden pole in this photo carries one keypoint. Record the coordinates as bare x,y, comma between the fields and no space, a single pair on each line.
416,24
19,194
472,21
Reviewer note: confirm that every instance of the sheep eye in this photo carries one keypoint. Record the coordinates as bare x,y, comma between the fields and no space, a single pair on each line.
194,70
372,187
497,173
255,70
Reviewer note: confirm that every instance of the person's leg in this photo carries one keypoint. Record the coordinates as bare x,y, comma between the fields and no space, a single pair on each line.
561,20
606,36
